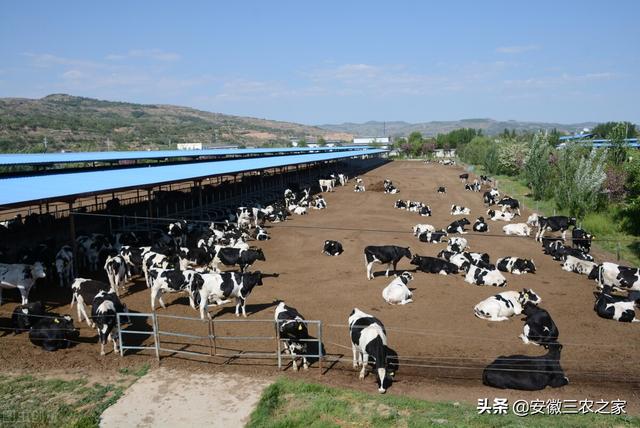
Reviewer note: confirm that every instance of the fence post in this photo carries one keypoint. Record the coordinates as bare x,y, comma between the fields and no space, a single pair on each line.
278,346
156,336
320,346
618,250
120,334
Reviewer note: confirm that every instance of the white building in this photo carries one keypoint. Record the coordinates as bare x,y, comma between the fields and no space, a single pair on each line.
444,153
371,140
189,146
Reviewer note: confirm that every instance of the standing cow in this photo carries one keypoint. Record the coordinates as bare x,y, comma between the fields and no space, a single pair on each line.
389,254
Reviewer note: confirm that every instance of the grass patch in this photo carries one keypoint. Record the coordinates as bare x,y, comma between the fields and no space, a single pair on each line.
288,403
137,372
28,401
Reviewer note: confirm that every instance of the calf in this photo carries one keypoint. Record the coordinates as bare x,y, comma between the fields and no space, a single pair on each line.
515,265
434,265
504,305
419,229
425,211
532,220
293,332
458,226
576,265
526,372
389,254
615,307
509,203
236,256
581,240
397,292
616,276
221,287
358,188
84,291
441,190
172,281
53,333
489,197
518,229
116,268
481,276
326,185
499,215
332,248
434,237
480,225
539,327
64,265
26,316
319,203
104,310
20,276
261,234
369,339
457,244
459,210
554,224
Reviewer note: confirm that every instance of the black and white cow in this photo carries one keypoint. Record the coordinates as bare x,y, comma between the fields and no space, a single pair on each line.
458,226
389,187
326,185
434,265
557,223
516,265
116,269
480,225
489,197
397,292
319,203
526,372
457,244
481,276
236,256
425,211
499,215
617,308
464,177
384,254
433,237
616,276
459,210
539,327
91,247
20,276
508,203
54,332
219,288
64,266
151,259
133,259
581,240
104,308
84,292
517,229
261,234
532,220
172,281
419,229
441,190
121,239
400,204
485,179
195,257
358,188
504,305
332,248
576,265
293,332
26,316
369,339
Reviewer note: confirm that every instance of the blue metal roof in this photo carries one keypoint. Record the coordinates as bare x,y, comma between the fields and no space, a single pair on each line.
62,186
50,158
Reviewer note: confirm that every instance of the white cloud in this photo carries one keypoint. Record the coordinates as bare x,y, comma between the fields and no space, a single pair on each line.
517,49
561,79
154,54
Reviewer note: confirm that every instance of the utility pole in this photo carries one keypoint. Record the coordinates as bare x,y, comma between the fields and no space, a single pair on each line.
44,141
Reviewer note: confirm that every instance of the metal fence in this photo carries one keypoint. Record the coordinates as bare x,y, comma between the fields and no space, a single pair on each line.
212,339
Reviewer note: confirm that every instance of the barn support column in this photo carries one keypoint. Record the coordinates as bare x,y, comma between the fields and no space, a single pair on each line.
149,208
72,234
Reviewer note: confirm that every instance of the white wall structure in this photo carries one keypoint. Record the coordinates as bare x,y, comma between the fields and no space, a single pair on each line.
371,140
189,146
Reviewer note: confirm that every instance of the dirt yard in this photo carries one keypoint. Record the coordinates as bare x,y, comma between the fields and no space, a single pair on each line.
442,346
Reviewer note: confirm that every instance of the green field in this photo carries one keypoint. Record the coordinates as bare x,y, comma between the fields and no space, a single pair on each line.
289,403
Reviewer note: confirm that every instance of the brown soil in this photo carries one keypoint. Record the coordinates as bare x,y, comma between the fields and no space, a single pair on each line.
442,346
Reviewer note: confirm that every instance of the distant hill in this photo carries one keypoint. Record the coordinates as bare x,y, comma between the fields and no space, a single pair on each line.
488,126
82,124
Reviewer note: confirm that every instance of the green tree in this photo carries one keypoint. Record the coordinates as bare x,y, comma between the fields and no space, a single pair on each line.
537,169
618,151
322,142
580,180
491,164
602,130
303,143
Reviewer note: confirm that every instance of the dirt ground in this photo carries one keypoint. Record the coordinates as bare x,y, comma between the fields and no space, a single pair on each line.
442,346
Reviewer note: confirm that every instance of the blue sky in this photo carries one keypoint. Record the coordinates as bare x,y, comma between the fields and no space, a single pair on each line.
331,62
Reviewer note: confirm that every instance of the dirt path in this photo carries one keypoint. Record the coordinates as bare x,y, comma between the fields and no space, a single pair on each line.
173,398
442,346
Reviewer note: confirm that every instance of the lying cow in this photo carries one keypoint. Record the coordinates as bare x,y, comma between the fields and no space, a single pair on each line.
481,276
526,372
419,229
385,254
517,229
508,203
369,339
499,215
616,276
358,188
532,220
615,307
464,177
558,223
221,287
441,190
293,332
433,237
576,265
397,292
480,225
504,305
332,248
516,265
457,244
20,276
54,332
425,211
104,310
459,210
434,265
539,327
26,316
489,198
458,226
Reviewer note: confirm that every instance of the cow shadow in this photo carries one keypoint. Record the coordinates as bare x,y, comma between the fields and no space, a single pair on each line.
6,326
140,324
251,309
